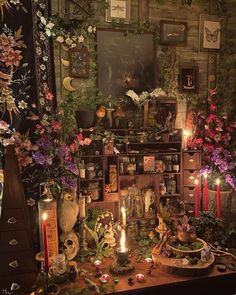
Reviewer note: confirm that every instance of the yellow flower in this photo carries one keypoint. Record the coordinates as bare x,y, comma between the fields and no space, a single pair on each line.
1,176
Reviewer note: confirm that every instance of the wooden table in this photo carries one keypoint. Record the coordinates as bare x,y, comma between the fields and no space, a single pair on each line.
160,282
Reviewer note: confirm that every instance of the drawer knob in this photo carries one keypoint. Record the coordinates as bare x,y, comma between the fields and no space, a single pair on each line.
14,264
191,160
11,220
191,177
190,195
15,286
13,242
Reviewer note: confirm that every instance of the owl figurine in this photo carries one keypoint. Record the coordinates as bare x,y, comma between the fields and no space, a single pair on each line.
68,209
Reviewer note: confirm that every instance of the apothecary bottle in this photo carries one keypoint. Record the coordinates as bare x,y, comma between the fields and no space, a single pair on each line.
81,169
175,163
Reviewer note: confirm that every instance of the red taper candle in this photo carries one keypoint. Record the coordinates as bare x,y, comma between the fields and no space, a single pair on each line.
45,241
197,193
205,193
218,201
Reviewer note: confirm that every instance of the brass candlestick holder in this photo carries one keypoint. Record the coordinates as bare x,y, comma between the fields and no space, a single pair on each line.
83,245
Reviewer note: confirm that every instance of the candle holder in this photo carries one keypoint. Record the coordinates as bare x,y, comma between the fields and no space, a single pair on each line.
122,265
83,245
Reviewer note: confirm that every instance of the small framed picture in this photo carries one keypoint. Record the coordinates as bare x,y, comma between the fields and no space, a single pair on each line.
79,62
173,33
210,36
118,11
188,79
149,163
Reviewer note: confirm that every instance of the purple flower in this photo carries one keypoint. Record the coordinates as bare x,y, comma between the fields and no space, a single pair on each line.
206,170
68,182
63,151
41,158
72,167
231,180
44,143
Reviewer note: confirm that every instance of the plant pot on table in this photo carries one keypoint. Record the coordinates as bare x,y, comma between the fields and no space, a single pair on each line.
85,118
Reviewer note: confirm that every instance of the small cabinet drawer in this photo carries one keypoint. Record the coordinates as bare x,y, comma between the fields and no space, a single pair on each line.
189,177
12,241
191,160
14,263
12,219
189,194
21,283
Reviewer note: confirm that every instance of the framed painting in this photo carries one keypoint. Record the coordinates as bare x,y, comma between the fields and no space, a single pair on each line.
210,33
188,79
173,33
125,61
79,62
118,11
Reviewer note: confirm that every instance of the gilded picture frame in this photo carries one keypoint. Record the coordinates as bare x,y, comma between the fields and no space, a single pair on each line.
118,11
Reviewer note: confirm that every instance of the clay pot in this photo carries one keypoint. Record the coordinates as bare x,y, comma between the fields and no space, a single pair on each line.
186,236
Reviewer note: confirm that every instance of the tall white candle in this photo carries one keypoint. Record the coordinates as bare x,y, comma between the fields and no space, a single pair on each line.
123,216
82,213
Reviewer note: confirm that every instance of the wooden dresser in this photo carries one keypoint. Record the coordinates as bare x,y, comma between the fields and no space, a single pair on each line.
18,268
191,167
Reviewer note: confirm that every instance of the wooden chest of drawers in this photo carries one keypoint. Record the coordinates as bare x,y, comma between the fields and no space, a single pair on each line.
191,169
18,267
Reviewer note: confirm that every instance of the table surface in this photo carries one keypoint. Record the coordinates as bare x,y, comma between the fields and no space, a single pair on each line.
158,280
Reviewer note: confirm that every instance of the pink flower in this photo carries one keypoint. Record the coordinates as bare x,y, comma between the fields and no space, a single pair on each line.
212,92
91,129
211,117
56,125
212,107
80,137
6,41
87,141
11,57
73,147
199,140
49,95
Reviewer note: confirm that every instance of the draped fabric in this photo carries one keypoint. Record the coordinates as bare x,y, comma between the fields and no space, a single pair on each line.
26,71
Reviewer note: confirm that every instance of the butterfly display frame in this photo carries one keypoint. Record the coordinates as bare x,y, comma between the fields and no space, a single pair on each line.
118,11
210,33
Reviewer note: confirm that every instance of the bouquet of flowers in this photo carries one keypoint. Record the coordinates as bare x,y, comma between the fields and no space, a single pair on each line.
214,136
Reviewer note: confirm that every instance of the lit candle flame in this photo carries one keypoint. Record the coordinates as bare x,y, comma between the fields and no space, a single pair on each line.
196,181
186,133
44,216
122,241
205,175
217,181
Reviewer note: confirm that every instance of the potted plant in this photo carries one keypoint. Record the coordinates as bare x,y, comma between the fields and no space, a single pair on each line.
186,232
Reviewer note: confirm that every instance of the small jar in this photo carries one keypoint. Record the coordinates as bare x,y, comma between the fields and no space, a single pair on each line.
143,231
59,264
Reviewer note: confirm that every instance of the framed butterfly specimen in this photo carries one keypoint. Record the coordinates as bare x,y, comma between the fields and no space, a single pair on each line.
210,33
118,11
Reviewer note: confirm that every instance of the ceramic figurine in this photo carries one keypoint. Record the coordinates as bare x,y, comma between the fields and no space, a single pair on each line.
68,209
149,198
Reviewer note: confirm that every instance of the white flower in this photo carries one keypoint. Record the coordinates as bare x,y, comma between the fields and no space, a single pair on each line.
22,105
60,39
94,29
42,36
45,117
42,5
30,202
38,50
42,67
3,125
90,29
158,92
42,19
39,14
143,95
68,41
8,141
48,32
50,25
45,58
133,95
73,45
42,101
81,39
15,2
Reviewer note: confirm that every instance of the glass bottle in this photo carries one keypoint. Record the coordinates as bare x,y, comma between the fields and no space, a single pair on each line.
143,231
81,169
175,163
168,163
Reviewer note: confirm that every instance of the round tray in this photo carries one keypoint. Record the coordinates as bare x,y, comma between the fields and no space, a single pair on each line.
184,253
